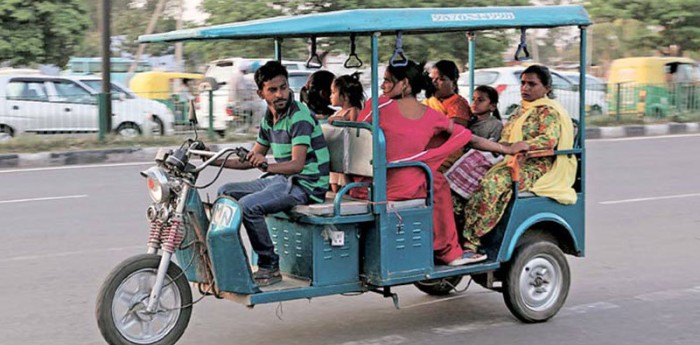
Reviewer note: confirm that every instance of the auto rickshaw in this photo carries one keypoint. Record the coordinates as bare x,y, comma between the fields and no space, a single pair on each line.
653,86
341,246
174,89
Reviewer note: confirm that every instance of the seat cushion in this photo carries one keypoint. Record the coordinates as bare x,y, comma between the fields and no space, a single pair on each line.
350,206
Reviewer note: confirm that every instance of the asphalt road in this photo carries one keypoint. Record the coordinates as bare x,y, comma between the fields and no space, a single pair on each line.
64,229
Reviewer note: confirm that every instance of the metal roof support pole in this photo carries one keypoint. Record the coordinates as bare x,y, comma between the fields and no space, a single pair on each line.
471,36
582,104
278,48
378,151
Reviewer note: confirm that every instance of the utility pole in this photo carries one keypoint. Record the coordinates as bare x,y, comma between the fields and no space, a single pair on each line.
179,65
105,98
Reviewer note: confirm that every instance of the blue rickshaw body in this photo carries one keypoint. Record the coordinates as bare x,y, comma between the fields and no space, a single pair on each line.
382,247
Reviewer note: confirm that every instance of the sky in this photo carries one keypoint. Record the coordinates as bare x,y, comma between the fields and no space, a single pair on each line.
191,12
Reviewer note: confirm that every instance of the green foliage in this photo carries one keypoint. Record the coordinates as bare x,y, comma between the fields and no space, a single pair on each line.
41,31
430,47
646,25
129,21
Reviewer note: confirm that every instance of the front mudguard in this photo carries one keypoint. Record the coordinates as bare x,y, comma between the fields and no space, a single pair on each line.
228,256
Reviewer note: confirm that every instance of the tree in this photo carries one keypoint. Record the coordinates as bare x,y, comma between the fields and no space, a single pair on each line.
129,19
418,47
647,24
41,31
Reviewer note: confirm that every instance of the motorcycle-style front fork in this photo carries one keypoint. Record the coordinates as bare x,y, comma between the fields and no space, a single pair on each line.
169,240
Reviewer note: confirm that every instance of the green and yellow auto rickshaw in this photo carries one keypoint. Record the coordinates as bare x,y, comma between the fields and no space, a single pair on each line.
174,89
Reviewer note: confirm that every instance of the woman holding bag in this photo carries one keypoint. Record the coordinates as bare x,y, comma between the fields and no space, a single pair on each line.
545,125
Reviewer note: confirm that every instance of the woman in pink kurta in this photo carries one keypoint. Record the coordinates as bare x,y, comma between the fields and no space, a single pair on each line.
408,127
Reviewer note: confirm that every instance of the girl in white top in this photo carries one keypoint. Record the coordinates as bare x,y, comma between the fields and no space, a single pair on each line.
346,93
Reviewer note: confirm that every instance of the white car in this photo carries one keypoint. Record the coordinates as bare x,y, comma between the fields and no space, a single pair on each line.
126,102
506,80
53,104
596,101
231,102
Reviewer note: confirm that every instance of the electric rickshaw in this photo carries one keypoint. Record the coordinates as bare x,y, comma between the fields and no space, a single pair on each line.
342,245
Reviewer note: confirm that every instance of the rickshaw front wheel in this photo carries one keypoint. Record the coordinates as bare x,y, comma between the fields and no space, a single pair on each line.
121,304
536,282
439,287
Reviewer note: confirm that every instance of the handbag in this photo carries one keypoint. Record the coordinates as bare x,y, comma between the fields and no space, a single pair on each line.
464,176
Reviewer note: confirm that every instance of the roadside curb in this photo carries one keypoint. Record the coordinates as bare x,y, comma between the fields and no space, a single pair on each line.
641,130
145,154
106,156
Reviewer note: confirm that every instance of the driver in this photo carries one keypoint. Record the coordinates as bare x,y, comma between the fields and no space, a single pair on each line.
299,176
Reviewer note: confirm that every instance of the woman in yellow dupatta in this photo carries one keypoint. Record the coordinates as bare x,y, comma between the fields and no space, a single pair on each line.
543,124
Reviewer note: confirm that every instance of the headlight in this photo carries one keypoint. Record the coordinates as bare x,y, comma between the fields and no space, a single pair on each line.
158,185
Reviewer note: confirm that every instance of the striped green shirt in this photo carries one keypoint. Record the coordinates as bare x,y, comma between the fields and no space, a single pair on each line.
298,127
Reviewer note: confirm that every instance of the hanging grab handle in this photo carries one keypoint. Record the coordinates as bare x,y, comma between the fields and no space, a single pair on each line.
349,63
314,55
522,47
398,59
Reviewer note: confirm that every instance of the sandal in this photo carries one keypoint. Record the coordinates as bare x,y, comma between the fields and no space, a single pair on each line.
267,276
469,257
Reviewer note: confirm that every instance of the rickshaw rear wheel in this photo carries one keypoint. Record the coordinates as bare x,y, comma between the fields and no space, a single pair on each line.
121,304
438,287
536,281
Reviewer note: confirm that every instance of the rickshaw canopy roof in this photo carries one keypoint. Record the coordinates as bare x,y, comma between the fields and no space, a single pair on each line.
368,21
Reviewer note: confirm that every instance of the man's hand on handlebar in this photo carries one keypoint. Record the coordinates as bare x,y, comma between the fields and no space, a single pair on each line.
257,160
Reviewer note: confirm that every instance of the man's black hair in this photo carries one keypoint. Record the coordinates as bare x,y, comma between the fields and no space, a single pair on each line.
269,71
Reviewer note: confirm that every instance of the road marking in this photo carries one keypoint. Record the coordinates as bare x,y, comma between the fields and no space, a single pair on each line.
64,254
43,199
668,294
75,167
585,308
387,340
624,201
673,136
472,326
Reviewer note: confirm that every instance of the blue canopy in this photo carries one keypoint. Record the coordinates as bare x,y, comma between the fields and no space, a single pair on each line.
367,21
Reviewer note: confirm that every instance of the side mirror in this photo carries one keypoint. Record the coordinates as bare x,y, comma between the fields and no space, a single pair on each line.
209,83
575,88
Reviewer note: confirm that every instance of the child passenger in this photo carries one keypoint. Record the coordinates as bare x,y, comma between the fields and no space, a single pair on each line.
346,93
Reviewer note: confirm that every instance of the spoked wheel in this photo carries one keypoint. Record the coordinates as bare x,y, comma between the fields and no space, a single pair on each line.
537,282
121,304
438,287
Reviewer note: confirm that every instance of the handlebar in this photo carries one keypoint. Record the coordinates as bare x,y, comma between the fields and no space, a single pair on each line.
213,156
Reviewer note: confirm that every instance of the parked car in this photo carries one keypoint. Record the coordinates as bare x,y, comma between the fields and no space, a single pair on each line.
233,102
63,104
596,101
506,80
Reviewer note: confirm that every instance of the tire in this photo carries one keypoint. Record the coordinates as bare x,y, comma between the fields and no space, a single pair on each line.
120,311
158,127
6,133
438,287
128,130
536,281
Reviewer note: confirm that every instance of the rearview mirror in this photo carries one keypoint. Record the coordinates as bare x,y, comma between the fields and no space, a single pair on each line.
209,83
